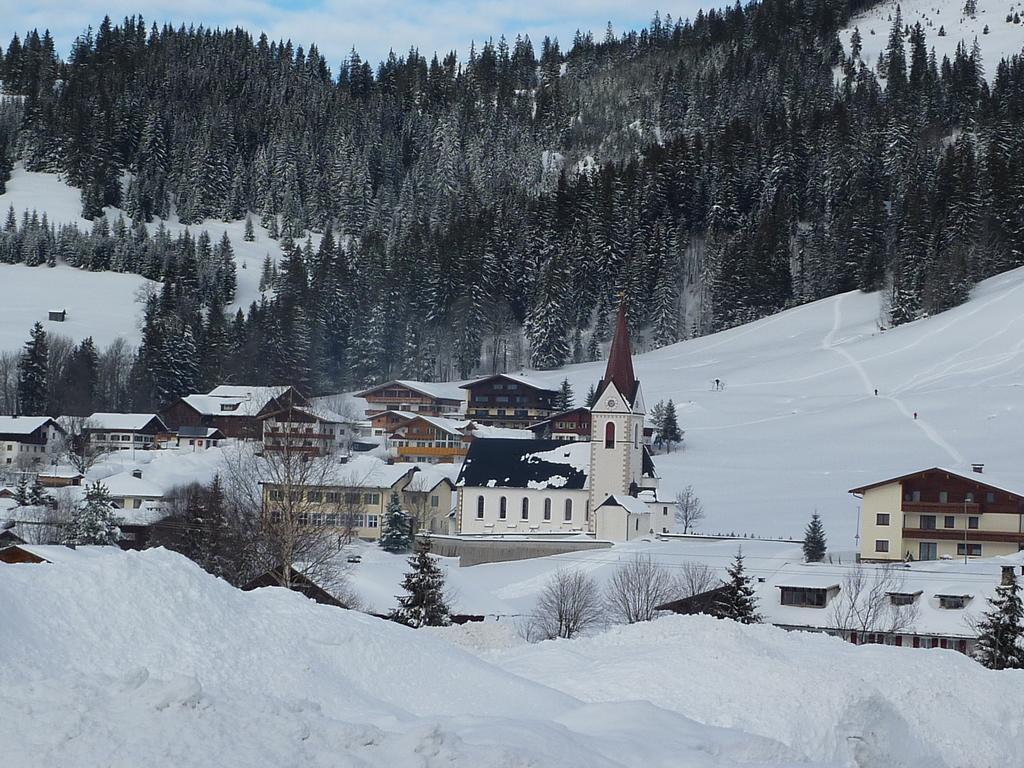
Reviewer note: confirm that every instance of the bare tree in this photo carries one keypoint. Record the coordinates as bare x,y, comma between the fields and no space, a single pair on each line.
865,601
636,588
9,382
114,384
689,509
59,349
695,579
78,451
568,605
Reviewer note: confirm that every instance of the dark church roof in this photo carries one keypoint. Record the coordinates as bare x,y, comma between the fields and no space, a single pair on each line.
620,361
509,463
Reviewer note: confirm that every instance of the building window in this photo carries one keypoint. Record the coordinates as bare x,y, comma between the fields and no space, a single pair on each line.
636,435
952,602
969,497
333,497
971,550
371,521
609,434
928,522
990,498
808,598
314,496
502,508
927,550
943,497
435,500
882,518
901,598
972,522
949,521
568,510
525,514
915,495
547,509
881,545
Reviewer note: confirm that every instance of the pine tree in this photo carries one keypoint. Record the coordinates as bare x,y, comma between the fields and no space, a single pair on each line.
250,234
424,604
32,374
738,602
591,396
814,540
566,398
395,536
1001,629
38,497
670,432
21,492
93,521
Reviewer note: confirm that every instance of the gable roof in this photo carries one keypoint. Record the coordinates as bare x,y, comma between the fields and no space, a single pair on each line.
629,503
439,390
24,426
537,464
211,433
1015,488
129,422
540,386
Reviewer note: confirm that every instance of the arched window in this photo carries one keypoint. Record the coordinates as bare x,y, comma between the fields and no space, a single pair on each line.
526,509
586,511
547,509
502,508
568,510
479,507
636,436
609,434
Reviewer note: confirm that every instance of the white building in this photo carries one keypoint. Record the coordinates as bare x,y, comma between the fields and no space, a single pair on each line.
538,486
123,431
28,440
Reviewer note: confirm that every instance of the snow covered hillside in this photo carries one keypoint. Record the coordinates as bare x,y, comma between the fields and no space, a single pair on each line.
184,670
798,424
1004,38
101,304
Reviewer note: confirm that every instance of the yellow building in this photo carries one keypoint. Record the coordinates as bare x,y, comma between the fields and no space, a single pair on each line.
940,513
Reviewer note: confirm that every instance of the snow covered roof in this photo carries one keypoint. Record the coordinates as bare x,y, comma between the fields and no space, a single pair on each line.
129,422
451,426
23,425
488,432
208,405
126,484
439,390
58,554
201,432
361,471
518,378
1006,485
629,503
538,464
429,476
266,394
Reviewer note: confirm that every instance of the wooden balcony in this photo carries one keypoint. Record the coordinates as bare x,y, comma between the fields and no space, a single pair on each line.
938,508
291,435
973,535
414,450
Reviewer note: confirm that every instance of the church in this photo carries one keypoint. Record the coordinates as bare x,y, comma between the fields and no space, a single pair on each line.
606,487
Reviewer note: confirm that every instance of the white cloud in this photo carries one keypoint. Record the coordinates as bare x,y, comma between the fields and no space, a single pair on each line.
338,25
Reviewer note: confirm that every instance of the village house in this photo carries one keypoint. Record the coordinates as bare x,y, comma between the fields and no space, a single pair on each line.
573,424
417,397
429,440
28,440
53,554
307,429
234,410
606,486
506,400
123,431
198,438
939,513
386,422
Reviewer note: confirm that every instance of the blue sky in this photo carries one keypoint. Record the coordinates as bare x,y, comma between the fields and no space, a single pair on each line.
337,25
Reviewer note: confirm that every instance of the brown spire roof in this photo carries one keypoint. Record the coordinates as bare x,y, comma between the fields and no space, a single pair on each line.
620,359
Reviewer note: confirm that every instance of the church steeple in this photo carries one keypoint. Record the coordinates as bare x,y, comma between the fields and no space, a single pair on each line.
620,360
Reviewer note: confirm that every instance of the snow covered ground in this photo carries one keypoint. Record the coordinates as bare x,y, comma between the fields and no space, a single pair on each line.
1003,40
105,301
142,658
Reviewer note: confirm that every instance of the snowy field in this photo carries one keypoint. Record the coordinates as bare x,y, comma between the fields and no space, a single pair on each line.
106,301
141,658
1003,40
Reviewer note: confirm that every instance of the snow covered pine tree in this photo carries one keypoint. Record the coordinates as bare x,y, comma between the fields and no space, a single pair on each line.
424,605
814,540
1001,630
93,522
395,536
738,602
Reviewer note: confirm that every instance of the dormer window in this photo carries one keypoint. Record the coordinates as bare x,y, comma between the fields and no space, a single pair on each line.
953,602
229,406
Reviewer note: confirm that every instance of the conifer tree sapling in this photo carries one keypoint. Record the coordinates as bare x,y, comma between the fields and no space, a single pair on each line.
814,540
738,602
670,433
1001,628
566,397
93,521
396,535
424,603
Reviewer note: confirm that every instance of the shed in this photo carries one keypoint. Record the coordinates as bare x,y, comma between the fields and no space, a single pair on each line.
58,315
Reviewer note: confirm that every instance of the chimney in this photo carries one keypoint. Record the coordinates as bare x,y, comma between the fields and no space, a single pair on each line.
137,473
1007,575
979,468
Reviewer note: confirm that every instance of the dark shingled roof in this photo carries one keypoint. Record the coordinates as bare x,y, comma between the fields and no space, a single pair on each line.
506,463
620,361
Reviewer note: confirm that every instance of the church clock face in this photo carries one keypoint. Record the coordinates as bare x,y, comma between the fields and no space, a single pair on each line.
611,402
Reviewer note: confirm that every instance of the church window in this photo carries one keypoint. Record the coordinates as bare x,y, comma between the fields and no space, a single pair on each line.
502,508
568,510
479,507
609,434
526,509
636,435
547,509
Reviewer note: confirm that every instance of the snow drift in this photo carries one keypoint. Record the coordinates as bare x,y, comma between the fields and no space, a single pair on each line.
145,659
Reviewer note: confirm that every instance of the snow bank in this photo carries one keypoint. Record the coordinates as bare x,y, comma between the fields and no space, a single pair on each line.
826,699
145,659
